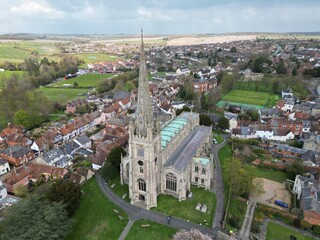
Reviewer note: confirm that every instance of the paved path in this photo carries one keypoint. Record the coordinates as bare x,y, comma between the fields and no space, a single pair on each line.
136,213
246,226
126,230
218,185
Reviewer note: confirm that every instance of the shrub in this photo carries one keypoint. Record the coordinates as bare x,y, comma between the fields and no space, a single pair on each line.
255,227
296,223
234,222
316,229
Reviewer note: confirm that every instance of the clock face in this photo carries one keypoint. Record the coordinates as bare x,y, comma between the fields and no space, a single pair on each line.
140,163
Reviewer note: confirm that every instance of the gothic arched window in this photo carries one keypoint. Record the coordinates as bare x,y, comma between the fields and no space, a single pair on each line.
127,170
142,185
171,182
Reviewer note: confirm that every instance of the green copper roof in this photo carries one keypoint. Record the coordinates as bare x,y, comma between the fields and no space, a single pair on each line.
171,130
203,161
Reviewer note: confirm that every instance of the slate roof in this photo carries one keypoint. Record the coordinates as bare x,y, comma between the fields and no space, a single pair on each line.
121,94
83,139
16,151
180,159
52,154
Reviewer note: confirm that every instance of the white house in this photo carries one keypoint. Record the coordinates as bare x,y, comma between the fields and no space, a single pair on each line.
4,167
3,191
183,71
83,141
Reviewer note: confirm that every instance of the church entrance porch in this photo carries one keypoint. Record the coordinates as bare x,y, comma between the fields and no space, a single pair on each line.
142,197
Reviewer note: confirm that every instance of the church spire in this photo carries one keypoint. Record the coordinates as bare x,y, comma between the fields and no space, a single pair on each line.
144,109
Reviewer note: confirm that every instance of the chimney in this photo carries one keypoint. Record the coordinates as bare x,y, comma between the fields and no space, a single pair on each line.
14,169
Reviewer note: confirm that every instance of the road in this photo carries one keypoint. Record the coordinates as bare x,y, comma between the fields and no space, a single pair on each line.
218,185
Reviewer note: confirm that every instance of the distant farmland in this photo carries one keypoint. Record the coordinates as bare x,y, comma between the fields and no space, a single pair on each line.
248,99
87,80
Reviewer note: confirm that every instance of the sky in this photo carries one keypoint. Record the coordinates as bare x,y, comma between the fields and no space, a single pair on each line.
158,16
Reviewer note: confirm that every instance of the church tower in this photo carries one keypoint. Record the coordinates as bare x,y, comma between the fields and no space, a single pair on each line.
144,145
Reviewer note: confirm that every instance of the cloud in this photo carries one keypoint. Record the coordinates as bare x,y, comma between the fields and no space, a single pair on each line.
39,7
154,14
217,21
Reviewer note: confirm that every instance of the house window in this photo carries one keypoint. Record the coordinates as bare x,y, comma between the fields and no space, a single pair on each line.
203,171
196,179
142,185
202,181
171,182
141,169
196,169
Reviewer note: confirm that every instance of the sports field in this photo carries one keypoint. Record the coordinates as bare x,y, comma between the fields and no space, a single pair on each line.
87,80
63,95
248,99
95,58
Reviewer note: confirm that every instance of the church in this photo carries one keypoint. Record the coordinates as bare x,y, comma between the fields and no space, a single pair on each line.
164,157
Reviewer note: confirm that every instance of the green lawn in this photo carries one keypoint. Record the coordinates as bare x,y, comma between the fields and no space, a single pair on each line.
95,58
218,138
277,232
270,174
119,189
95,218
87,80
63,95
186,209
153,232
250,98
237,210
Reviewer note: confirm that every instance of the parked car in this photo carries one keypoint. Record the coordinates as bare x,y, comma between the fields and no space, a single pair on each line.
281,203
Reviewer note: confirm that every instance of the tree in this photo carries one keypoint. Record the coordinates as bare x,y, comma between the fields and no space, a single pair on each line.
223,123
228,81
32,218
213,97
114,157
109,171
280,68
75,84
296,168
129,85
184,109
22,118
205,120
233,49
66,192
20,191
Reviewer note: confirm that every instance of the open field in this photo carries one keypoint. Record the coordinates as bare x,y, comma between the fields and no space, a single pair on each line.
95,218
95,58
248,99
186,209
17,51
153,232
194,40
87,80
63,95
270,174
277,232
